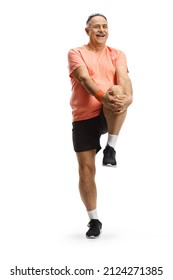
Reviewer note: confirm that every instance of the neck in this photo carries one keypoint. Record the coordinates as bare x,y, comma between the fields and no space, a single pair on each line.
95,48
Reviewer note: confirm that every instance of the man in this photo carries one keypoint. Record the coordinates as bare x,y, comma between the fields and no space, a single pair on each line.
101,94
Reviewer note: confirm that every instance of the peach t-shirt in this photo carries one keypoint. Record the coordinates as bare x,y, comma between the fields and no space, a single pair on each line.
101,68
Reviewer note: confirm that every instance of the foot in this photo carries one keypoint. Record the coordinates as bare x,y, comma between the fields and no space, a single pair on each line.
109,157
95,227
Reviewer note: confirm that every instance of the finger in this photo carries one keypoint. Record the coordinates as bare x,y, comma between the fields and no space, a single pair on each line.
116,105
110,93
116,110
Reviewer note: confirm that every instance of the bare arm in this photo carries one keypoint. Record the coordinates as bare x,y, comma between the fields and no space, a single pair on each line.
81,74
121,95
124,81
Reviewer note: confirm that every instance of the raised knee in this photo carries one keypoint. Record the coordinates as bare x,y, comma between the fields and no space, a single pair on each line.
117,90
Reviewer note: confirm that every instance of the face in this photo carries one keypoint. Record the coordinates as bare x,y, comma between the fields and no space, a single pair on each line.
97,30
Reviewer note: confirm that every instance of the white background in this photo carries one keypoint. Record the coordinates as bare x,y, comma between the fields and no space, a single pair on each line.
43,221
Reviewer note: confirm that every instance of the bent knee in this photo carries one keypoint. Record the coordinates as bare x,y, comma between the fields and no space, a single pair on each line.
117,90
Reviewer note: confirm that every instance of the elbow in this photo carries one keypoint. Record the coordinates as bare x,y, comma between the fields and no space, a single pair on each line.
83,79
79,77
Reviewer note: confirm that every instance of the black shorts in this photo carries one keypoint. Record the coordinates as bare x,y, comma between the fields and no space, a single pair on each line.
86,134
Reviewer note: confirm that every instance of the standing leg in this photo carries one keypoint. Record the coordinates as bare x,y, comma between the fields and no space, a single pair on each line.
88,191
87,185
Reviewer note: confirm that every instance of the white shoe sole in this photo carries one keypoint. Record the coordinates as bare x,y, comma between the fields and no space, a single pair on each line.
94,237
109,165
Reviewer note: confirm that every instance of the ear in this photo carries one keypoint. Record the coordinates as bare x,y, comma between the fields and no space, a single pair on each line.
87,30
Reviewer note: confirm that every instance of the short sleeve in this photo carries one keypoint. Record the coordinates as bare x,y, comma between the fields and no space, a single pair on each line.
118,58
74,60
121,59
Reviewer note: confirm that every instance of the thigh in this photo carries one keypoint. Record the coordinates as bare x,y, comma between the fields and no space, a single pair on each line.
86,135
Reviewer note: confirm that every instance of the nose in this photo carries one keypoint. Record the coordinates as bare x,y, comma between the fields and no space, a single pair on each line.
101,28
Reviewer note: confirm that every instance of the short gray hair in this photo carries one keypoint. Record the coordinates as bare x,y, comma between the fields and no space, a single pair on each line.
94,15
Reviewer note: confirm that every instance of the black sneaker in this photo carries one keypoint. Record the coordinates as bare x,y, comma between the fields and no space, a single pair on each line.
109,157
95,228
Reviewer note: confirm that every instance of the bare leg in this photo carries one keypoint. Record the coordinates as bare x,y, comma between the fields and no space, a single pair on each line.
114,122
87,186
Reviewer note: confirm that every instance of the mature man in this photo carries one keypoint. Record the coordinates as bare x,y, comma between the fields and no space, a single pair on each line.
101,94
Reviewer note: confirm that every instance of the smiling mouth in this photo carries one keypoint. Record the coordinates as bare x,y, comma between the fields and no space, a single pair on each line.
100,35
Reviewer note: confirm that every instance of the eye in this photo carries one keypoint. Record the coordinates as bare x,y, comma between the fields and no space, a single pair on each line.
96,26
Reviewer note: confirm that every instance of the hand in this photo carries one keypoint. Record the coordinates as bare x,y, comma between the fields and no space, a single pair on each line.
116,100
119,104
112,102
